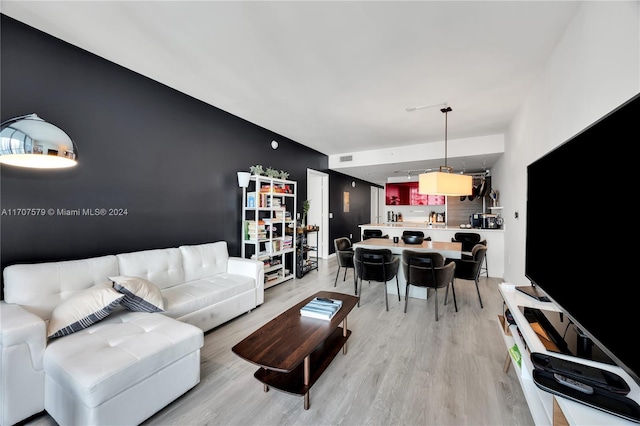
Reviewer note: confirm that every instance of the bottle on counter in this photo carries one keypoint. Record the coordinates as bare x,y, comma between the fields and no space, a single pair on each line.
399,218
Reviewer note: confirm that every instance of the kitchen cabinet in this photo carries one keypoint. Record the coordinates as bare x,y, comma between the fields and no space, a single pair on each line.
406,194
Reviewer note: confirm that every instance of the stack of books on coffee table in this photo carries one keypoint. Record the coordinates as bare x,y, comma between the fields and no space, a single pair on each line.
321,308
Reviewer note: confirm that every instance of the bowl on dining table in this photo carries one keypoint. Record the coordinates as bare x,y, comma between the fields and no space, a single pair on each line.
412,239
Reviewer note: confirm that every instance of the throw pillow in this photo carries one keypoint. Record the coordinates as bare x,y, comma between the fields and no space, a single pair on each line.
139,294
82,310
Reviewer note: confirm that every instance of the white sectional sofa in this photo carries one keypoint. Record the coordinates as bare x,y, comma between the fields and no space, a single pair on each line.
121,366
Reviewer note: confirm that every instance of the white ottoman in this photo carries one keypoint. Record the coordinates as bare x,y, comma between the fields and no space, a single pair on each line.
121,370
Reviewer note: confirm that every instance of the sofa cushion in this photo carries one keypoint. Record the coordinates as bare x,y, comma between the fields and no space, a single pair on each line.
192,296
41,287
139,294
163,267
204,260
82,310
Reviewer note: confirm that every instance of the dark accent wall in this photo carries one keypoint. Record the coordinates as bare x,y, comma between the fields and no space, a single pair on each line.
345,223
168,159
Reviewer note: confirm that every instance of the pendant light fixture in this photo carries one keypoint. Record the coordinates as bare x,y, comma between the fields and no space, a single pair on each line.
444,181
29,141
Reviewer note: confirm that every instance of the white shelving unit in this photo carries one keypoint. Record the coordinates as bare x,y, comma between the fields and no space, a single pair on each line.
268,226
547,409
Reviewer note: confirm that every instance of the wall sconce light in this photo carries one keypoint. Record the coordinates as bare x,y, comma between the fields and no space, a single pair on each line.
243,179
29,141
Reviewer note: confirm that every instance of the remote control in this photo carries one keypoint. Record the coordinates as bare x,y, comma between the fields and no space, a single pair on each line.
324,299
573,384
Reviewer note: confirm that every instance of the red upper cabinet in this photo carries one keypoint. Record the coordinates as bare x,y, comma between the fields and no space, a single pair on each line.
406,194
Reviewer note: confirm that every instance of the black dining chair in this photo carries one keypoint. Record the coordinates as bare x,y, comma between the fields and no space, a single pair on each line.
415,234
373,233
422,269
376,265
344,255
469,268
469,240
485,264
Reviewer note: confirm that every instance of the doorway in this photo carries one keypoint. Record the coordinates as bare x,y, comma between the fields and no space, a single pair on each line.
377,205
318,196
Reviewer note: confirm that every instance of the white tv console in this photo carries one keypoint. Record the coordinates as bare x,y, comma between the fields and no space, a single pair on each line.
546,408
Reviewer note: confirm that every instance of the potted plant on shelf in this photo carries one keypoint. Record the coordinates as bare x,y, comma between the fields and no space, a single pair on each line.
305,210
272,173
257,170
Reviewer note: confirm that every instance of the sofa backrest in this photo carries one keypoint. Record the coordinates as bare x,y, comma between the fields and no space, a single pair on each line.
163,267
204,260
40,287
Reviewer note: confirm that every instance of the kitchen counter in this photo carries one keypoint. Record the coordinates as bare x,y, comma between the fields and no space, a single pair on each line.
494,237
424,226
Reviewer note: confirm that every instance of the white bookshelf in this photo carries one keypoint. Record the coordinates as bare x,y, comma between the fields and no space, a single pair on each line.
268,226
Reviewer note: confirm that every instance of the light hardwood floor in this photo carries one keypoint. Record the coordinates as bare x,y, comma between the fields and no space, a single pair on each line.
400,369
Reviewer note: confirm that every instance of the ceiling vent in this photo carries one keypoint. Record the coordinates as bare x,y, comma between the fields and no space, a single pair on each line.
346,158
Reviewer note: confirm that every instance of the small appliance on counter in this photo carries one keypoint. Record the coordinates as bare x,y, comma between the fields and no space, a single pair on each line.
490,221
476,220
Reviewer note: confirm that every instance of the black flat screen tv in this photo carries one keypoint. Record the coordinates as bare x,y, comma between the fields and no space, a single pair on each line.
582,238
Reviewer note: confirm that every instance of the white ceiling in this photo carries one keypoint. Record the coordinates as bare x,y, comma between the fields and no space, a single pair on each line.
336,76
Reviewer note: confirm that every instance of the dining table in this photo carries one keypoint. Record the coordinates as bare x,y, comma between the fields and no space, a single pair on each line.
449,250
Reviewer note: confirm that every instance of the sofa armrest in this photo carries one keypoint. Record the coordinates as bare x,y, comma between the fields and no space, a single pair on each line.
23,339
250,268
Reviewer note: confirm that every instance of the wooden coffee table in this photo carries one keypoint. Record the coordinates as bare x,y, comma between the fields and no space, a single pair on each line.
293,351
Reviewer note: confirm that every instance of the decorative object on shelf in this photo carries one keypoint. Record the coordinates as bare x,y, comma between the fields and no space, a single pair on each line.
257,170
29,141
243,179
274,144
444,181
272,173
284,175
305,210
493,194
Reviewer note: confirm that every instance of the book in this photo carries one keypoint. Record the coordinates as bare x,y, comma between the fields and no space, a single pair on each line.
515,354
251,199
321,308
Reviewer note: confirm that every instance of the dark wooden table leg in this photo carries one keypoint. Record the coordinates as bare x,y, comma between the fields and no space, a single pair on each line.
344,333
266,388
307,375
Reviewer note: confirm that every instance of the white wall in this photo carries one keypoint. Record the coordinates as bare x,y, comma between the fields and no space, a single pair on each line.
594,68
